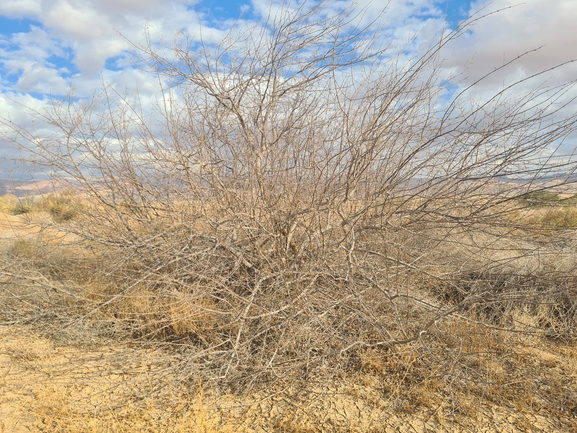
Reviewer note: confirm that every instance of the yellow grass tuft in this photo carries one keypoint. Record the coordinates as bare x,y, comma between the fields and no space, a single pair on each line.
63,206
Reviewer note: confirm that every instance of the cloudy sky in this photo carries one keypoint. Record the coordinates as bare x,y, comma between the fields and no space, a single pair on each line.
47,46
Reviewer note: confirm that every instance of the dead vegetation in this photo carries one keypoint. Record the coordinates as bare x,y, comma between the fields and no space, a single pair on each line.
299,232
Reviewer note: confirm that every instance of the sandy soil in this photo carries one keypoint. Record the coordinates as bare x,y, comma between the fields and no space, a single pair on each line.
42,382
48,382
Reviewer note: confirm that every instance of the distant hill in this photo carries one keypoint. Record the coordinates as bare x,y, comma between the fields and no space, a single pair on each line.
560,183
21,188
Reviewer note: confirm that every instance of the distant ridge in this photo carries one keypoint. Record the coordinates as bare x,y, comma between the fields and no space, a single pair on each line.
21,188
557,182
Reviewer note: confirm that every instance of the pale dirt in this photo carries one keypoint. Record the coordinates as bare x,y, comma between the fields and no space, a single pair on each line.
41,382
15,226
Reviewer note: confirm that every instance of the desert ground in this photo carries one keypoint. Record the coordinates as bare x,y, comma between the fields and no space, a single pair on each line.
78,378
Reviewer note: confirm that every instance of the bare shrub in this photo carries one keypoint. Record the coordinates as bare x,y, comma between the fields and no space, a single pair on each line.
300,197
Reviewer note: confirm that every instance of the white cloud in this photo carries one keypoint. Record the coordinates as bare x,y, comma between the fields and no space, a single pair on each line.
29,64
91,28
516,30
39,78
92,31
92,57
78,23
96,29
21,8
17,108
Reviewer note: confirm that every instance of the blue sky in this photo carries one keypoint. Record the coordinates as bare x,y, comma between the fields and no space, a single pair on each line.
47,46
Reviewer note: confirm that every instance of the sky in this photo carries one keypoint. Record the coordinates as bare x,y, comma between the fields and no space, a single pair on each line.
48,47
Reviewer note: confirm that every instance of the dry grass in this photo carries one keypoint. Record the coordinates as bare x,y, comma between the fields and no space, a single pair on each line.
63,206
8,203
553,219
507,359
546,212
489,377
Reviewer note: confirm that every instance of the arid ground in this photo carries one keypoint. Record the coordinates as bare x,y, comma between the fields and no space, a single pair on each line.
76,379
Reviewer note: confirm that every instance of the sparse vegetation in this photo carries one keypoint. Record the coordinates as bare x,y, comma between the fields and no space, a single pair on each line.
24,248
305,223
62,207
548,211
8,203
555,219
547,198
24,205
540,198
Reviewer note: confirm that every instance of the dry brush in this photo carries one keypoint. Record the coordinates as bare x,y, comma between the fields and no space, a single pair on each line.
302,195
